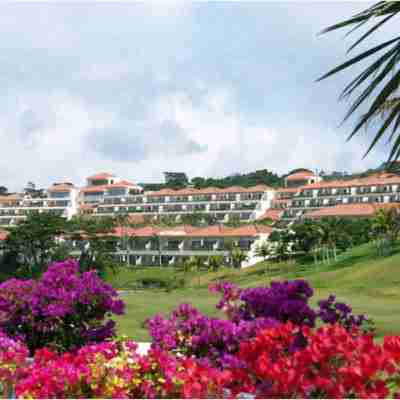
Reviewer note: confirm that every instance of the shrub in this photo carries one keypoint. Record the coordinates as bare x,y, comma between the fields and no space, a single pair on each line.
62,310
335,363
187,331
13,360
115,370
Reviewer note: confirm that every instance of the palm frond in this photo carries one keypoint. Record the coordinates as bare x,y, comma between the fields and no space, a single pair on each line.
381,77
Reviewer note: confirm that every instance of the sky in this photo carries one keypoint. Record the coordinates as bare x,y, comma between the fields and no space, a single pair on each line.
136,89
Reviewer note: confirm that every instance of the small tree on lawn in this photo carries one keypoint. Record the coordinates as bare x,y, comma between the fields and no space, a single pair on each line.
215,262
386,227
264,251
238,256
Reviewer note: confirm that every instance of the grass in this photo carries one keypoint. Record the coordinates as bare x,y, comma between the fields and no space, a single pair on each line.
369,283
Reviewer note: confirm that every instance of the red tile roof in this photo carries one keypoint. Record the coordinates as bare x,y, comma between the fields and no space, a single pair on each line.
373,180
191,231
288,190
61,187
300,176
272,214
122,184
94,189
101,175
209,190
10,198
351,210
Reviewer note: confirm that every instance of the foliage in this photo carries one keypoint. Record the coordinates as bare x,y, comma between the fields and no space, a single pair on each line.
63,309
215,262
95,240
237,256
281,244
31,245
377,84
246,180
386,229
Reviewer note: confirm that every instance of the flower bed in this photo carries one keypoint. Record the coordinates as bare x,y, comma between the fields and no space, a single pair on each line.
271,343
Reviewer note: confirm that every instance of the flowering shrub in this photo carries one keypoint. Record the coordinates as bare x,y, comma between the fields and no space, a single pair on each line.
333,312
336,363
187,331
13,360
63,309
115,370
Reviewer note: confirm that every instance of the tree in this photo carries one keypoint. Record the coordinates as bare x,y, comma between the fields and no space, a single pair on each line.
377,85
386,226
3,191
264,251
238,256
215,262
281,243
33,243
96,240
195,263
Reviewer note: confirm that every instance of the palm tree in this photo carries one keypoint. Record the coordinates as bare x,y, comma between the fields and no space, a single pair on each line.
157,240
238,256
381,76
215,262
386,226
196,263
264,251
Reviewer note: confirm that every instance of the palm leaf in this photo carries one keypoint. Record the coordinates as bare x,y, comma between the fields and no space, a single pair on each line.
382,85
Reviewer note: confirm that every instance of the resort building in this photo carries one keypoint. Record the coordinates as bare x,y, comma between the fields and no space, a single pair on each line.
163,246
60,199
223,204
382,188
104,184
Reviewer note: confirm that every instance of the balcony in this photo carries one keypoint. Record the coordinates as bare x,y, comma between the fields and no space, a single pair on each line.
244,206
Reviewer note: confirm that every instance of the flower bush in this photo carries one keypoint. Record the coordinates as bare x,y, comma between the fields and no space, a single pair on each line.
13,360
271,343
63,309
115,370
336,363
187,331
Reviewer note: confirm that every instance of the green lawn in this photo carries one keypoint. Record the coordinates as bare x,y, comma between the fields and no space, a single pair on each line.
369,283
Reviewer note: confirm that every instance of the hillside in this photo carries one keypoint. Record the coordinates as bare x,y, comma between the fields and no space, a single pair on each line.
361,278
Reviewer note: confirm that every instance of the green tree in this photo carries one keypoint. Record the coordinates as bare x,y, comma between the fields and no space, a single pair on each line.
195,263
386,227
33,243
238,256
96,241
215,262
264,251
377,84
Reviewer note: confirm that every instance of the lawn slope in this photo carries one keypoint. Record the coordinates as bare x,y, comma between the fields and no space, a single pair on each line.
371,284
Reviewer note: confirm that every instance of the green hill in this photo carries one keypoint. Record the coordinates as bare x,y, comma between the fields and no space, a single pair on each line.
370,284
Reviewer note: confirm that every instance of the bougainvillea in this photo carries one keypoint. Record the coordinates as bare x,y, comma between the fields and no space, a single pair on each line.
115,370
187,331
13,359
63,309
336,363
190,333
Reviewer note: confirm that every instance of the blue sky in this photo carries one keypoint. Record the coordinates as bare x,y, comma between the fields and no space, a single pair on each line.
139,88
